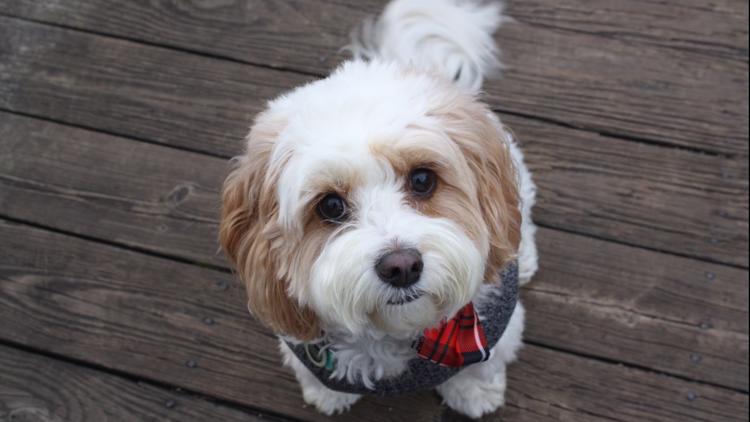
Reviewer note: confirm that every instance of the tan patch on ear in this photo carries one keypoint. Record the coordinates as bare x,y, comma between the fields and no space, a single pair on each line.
482,143
250,236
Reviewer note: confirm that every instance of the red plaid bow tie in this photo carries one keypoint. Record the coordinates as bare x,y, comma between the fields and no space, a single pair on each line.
457,342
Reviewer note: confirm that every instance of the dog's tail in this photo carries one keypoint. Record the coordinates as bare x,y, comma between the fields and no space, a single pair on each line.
451,37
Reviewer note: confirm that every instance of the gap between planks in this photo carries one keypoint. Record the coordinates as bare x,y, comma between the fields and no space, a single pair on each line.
224,270
151,382
220,57
228,103
227,157
532,364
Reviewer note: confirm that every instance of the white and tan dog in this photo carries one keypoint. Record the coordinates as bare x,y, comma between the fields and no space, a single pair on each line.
373,204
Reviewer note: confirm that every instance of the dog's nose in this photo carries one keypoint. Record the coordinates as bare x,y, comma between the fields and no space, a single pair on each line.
400,268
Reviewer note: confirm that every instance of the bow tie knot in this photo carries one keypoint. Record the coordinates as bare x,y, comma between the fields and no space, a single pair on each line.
456,342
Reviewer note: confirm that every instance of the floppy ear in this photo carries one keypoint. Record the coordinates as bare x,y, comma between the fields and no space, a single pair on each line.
249,226
484,144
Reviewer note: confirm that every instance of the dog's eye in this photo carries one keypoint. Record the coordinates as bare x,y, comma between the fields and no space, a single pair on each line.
423,182
333,208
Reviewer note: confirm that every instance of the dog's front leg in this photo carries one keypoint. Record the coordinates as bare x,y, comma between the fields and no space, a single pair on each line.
324,399
480,388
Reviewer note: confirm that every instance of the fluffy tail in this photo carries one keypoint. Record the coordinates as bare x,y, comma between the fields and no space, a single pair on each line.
451,37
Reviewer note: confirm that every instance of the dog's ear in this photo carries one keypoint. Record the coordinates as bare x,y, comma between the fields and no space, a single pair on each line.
249,226
484,143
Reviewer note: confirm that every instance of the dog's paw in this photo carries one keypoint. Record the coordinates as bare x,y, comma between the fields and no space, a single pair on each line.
474,397
327,401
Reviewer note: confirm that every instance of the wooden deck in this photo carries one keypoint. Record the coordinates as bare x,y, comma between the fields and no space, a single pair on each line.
116,122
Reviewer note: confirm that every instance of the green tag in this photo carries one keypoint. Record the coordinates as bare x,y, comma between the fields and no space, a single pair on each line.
329,360
319,357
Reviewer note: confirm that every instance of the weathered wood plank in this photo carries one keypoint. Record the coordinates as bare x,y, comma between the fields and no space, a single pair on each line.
591,296
174,323
715,28
203,104
141,195
666,199
305,35
178,99
542,383
147,316
639,68
667,313
36,388
614,87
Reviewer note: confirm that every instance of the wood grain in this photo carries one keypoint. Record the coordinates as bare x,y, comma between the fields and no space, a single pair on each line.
155,319
670,71
146,316
36,388
676,201
144,196
160,95
666,199
613,87
666,313
717,28
592,296
542,385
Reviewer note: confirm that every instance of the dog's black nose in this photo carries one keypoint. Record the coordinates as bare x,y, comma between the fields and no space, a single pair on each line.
400,268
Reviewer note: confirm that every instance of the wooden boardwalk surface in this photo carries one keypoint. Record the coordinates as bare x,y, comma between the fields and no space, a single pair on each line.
116,122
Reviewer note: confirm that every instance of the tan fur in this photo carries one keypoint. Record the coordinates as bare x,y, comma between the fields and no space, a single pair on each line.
469,124
251,238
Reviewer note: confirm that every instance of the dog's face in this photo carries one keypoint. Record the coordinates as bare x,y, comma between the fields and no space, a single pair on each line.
377,200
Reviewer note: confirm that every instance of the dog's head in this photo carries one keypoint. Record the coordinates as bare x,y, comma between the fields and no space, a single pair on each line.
377,200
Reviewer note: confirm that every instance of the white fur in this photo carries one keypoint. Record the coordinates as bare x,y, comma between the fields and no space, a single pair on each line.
328,133
528,258
452,37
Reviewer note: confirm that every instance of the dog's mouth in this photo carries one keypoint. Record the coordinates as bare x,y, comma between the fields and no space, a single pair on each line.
404,298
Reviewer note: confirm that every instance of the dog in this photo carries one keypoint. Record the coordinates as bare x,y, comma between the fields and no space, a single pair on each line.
380,218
